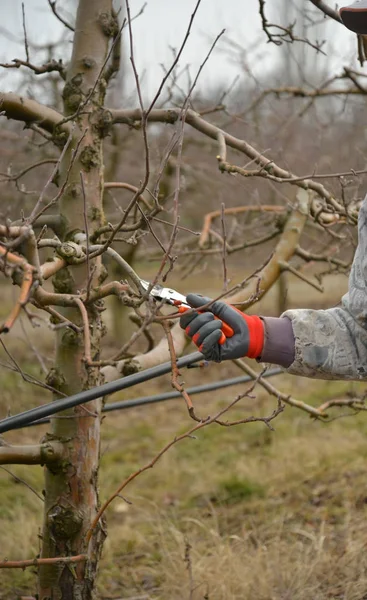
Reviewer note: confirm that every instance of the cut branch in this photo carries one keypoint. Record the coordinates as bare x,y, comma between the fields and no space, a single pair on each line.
28,272
42,454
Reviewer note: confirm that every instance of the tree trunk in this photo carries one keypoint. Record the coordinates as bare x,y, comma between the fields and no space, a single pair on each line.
71,493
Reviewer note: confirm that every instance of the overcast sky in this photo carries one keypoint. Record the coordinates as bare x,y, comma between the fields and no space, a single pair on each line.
163,24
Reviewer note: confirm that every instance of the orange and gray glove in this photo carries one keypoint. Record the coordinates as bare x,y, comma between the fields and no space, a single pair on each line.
205,330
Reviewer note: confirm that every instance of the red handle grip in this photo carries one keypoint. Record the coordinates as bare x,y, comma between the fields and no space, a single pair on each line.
227,331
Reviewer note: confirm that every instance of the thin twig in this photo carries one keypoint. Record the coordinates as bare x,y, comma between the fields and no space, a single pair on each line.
34,214
176,60
33,347
234,211
30,378
175,373
63,320
35,562
58,16
285,266
25,34
9,177
178,165
224,237
287,399
19,480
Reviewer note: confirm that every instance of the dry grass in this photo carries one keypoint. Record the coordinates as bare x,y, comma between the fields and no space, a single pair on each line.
260,515
268,516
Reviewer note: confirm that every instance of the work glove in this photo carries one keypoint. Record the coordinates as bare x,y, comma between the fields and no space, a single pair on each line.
354,16
205,330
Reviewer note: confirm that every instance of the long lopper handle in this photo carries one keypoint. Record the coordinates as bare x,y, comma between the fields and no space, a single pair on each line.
227,331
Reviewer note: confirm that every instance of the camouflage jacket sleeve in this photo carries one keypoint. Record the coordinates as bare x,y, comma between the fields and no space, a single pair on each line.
332,344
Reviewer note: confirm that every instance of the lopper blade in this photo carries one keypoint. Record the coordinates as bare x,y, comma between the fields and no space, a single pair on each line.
159,292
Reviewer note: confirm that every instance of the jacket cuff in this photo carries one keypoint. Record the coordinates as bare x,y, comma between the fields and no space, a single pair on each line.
279,341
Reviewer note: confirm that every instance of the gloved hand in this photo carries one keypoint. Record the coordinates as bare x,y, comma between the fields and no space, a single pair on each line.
205,330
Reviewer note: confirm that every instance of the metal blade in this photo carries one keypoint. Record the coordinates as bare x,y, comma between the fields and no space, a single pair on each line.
163,293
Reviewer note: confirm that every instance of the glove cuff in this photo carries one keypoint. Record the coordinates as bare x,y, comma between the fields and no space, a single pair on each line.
256,335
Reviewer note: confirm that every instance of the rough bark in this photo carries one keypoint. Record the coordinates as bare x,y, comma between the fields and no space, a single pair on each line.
71,494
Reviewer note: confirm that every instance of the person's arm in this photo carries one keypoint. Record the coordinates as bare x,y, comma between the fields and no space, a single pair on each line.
324,344
332,344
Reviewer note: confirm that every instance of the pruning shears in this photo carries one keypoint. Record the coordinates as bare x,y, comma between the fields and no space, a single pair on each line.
174,298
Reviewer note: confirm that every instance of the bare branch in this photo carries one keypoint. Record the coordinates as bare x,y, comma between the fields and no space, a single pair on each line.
29,111
309,256
175,373
278,34
35,562
175,61
25,34
330,12
15,176
285,266
268,167
224,248
37,211
49,67
52,4
234,211
314,412
45,299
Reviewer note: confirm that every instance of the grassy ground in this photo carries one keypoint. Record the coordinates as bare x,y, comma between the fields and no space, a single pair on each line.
235,514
